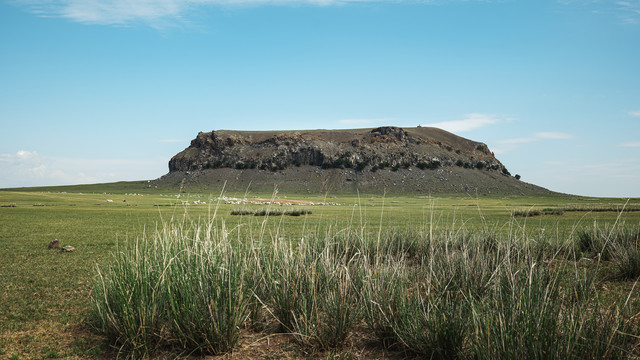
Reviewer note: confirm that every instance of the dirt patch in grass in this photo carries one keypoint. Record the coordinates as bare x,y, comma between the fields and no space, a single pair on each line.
52,340
260,346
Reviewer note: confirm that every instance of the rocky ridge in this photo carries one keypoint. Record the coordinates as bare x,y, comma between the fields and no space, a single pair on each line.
421,160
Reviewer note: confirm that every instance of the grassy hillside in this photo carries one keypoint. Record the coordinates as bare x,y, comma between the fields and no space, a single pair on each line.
307,180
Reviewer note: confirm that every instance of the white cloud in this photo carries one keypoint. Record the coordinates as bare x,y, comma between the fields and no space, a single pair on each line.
26,155
507,145
365,121
470,122
631,144
518,140
537,137
629,11
161,12
552,136
634,113
121,12
28,168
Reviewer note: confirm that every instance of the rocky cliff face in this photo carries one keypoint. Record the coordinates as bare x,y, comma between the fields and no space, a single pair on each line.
363,150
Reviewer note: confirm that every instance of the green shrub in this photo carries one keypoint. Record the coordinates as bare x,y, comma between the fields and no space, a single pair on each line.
361,165
298,212
433,164
552,211
525,213
271,212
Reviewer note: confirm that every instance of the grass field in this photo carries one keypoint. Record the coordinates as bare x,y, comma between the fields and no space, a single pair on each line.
46,308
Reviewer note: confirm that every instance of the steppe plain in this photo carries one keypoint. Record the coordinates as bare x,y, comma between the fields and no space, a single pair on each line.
45,294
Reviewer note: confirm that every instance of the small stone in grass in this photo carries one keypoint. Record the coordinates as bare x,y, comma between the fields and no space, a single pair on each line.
54,244
68,248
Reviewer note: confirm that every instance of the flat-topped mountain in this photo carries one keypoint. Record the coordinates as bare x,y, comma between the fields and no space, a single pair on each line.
391,159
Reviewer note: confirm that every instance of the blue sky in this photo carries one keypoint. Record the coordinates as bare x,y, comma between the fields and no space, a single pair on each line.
109,90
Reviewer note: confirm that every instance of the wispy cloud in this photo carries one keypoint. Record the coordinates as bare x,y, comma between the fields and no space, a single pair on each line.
555,163
123,12
552,136
517,140
470,122
161,12
627,12
28,168
634,113
507,145
365,121
630,144
537,137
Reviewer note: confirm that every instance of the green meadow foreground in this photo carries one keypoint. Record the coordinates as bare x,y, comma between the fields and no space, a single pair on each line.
157,273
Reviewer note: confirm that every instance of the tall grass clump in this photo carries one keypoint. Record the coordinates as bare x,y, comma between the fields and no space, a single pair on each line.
486,297
535,313
521,316
125,301
618,244
310,289
626,252
595,242
403,314
182,289
420,304
542,307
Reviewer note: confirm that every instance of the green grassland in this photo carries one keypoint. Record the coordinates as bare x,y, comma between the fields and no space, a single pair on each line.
45,295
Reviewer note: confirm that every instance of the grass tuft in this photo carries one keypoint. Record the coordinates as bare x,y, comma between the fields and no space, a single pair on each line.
183,289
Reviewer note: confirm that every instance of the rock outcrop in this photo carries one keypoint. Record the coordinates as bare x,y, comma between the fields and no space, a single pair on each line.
363,149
